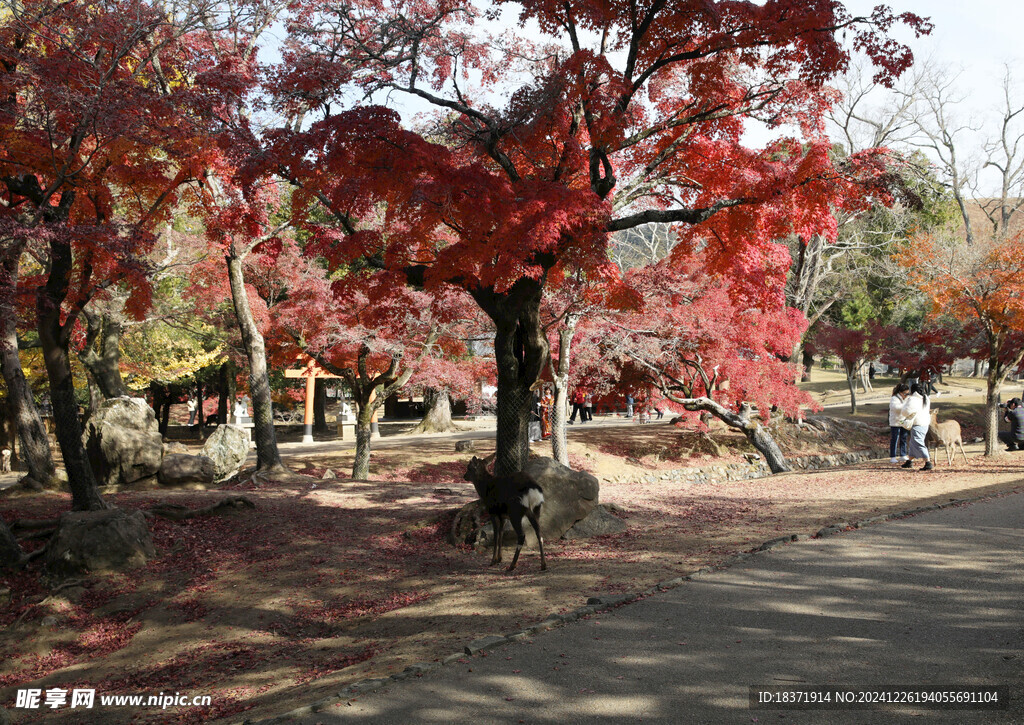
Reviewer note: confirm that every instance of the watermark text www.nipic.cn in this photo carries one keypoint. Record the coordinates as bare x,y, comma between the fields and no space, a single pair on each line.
56,698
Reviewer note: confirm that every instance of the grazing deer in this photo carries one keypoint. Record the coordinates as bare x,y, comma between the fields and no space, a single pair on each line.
516,497
948,434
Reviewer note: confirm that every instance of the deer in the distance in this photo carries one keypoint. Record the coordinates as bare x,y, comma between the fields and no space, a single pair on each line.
948,434
515,497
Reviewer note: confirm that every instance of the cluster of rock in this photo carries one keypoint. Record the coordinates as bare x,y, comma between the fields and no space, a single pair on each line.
752,469
124,445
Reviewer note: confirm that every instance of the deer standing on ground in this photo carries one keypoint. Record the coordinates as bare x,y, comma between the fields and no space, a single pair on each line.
516,497
948,434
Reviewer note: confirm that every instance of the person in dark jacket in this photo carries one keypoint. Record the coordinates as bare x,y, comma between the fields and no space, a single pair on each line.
1014,415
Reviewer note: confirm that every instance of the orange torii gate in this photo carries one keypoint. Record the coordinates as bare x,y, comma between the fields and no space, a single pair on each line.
311,372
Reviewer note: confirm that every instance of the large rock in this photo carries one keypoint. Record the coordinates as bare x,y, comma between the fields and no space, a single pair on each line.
568,495
227,447
123,441
179,469
97,541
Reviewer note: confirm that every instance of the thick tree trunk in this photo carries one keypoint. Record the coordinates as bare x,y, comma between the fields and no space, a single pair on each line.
35,443
559,443
521,352
993,389
102,354
158,392
53,337
977,369
165,414
320,406
267,455
11,555
438,418
762,440
364,431
95,398
808,360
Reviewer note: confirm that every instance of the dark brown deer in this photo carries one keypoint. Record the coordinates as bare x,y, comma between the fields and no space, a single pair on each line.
515,497
948,434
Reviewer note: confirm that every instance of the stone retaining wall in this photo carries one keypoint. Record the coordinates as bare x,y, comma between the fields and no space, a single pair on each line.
755,469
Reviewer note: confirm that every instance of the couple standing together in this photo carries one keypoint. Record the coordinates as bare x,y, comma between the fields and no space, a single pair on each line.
910,414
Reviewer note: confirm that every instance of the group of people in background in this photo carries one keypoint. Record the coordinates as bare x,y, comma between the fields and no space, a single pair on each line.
910,415
583,404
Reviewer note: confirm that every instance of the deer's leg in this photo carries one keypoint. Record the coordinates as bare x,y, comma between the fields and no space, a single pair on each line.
498,524
964,452
540,542
516,517
950,450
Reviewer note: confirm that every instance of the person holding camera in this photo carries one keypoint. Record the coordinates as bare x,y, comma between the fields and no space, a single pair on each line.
1013,413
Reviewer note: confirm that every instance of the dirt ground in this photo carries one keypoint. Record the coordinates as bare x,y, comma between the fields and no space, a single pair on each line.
330,581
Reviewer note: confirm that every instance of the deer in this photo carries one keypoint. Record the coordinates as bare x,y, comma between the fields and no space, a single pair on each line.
515,497
948,434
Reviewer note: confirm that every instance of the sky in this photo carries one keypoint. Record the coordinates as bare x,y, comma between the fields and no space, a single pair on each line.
978,35
976,38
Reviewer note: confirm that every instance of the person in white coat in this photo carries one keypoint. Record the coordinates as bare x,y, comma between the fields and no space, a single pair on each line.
917,409
897,433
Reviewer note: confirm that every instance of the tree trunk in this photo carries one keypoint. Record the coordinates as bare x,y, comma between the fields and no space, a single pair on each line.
11,555
223,393
158,391
762,440
851,382
808,360
320,406
756,434
364,430
977,369
438,418
521,352
165,414
559,443
865,381
267,455
994,387
95,397
200,398
102,354
35,443
54,337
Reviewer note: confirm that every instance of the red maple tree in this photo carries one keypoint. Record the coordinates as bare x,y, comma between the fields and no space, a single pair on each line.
710,344
617,116
101,118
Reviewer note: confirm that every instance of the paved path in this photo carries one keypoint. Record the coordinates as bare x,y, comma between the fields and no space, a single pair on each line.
934,599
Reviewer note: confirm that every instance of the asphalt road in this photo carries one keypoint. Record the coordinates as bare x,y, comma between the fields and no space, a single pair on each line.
936,600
